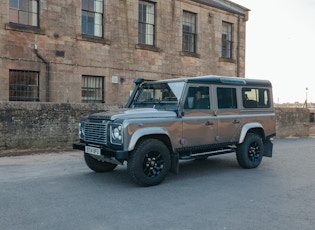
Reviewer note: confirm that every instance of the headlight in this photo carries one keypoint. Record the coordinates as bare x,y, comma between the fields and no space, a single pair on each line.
116,134
81,130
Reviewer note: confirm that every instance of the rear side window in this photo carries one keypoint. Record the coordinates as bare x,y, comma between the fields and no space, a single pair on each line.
256,98
226,98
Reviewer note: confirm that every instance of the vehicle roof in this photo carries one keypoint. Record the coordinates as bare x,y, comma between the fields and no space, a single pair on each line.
212,79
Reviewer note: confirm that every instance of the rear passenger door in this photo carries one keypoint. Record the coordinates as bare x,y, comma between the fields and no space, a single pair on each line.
228,114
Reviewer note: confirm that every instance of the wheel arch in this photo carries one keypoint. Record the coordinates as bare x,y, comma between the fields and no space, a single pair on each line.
254,127
152,132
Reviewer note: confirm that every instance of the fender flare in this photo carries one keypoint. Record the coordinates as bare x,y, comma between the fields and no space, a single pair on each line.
247,127
144,132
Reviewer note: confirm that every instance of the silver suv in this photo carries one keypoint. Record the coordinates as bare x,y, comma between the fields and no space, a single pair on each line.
178,119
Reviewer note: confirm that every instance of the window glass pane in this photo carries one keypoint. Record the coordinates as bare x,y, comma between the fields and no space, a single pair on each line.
23,17
98,30
33,7
141,12
90,18
98,19
90,5
197,98
99,6
14,4
33,20
85,4
14,15
226,98
150,14
24,5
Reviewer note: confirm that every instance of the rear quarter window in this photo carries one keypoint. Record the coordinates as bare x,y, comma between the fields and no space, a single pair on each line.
256,98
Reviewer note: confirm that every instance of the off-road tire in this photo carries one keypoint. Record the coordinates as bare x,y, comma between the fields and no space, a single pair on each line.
250,153
97,165
149,163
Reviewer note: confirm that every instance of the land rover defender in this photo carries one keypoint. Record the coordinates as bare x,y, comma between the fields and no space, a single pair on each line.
178,119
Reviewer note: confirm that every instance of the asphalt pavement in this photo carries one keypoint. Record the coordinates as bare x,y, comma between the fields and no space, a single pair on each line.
58,191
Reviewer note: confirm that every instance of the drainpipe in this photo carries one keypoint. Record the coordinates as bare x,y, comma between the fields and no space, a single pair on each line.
238,48
47,71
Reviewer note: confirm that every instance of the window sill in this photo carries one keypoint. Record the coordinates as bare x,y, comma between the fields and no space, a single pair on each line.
89,38
221,59
24,28
189,54
148,47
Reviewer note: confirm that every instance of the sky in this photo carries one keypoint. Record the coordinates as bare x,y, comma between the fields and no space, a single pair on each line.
280,46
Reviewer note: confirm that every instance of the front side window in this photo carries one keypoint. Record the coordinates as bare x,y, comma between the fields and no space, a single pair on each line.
189,32
92,17
24,12
92,89
227,43
256,98
226,98
146,26
197,98
23,85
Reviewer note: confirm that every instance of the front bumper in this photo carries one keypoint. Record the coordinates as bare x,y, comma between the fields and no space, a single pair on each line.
119,155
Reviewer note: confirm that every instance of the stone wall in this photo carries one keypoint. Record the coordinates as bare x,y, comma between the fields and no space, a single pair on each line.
42,125
45,125
292,122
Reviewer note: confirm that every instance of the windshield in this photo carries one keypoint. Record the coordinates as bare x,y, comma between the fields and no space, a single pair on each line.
159,95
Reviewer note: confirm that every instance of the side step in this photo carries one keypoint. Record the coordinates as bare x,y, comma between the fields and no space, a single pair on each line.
207,154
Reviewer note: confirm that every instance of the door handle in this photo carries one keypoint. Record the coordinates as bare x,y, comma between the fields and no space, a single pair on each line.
236,122
208,123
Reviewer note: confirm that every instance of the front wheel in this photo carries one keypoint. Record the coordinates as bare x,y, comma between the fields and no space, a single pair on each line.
97,165
250,153
149,163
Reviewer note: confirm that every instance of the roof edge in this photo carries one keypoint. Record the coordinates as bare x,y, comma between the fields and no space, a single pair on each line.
225,5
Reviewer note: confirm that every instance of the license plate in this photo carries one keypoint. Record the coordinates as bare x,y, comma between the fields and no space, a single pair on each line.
93,150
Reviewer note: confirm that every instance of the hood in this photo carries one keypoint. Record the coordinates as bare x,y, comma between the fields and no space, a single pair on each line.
133,113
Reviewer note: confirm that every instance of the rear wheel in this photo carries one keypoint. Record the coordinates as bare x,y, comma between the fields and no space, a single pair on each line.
97,165
149,163
250,153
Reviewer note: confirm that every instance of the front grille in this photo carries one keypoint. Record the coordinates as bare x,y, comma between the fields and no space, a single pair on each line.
95,132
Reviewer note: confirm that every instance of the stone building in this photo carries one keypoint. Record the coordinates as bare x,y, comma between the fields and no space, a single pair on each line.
75,51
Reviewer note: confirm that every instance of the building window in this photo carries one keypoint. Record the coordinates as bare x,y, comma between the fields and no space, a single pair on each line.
92,89
23,85
146,30
92,17
24,12
189,32
227,43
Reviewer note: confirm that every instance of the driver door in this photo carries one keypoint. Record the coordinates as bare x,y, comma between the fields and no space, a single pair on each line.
199,120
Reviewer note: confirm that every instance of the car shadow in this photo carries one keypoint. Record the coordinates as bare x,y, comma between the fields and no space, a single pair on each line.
188,169
211,165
